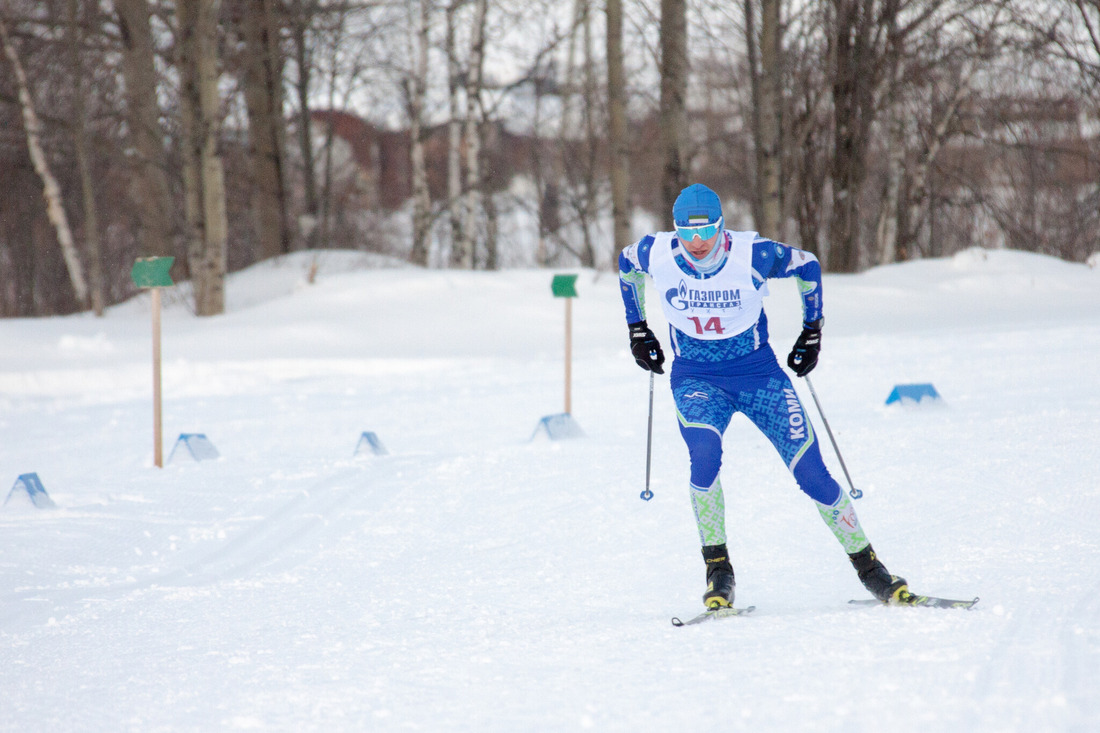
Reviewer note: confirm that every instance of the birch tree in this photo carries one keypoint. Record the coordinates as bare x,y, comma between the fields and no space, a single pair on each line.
416,86
468,241
51,191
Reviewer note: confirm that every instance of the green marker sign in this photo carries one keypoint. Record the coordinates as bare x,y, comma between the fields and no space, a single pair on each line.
152,272
564,286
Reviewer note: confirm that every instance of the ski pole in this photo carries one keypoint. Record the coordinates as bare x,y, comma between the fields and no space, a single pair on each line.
856,493
647,494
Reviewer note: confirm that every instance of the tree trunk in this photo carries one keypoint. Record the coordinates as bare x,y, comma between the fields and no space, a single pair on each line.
577,143
886,231
890,210
21,238
770,133
854,80
80,144
617,131
473,134
811,184
753,58
454,139
204,179
416,88
308,222
492,241
55,209
539,168
149,187
673,117
263,93
325,231
590,201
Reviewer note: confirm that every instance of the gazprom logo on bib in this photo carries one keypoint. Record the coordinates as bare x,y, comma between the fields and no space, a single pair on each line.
683,297
677,297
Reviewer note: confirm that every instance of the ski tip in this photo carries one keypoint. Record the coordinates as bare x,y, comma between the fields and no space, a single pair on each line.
965,605
713,613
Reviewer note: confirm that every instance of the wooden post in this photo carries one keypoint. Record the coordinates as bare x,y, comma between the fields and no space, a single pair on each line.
565,286
568,355
158,439
152,273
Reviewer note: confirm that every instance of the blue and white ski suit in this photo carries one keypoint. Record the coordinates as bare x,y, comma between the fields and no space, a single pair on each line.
722,363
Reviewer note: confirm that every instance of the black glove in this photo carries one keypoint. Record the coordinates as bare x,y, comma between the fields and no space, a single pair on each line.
646,348
803,357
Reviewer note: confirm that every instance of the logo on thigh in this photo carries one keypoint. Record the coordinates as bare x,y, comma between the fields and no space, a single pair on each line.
795,419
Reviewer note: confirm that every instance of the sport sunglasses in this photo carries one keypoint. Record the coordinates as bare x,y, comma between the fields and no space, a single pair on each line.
703,231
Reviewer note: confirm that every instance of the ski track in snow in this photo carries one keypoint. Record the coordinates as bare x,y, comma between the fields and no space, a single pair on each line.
477,580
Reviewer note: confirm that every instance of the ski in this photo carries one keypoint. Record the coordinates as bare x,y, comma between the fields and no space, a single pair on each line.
714,613
918,600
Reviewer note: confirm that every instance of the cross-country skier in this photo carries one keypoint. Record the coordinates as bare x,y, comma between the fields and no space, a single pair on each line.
711,282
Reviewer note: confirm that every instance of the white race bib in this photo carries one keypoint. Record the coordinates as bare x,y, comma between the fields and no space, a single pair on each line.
718,307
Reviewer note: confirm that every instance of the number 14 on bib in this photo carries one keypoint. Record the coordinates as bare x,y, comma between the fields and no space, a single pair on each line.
713,325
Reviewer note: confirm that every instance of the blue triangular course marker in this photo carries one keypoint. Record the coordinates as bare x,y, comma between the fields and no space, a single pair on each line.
196,445
30,483
558,427
917,393
368,441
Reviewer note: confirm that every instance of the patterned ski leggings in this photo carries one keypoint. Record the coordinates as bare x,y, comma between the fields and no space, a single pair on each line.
708,395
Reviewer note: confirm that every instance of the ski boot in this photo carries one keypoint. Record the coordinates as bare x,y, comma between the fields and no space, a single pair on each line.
875,578
720,582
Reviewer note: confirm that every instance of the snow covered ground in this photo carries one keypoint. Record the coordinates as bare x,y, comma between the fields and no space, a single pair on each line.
477,580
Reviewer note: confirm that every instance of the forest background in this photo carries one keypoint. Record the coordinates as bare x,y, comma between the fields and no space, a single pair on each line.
482,134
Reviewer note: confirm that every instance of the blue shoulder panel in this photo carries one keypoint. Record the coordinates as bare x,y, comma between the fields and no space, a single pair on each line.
644,247
770,258
778,260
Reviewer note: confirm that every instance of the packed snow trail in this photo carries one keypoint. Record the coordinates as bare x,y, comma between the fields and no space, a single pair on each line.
474,580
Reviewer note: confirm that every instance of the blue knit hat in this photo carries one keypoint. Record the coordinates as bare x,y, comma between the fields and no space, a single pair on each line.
696,205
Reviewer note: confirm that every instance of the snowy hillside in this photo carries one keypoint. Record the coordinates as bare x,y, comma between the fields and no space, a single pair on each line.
474,579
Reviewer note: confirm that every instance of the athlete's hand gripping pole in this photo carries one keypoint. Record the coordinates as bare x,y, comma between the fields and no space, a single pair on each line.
646,348
856,493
